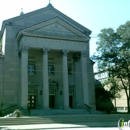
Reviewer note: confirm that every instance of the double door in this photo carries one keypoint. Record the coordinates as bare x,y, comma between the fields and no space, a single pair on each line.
71,98
32,98
51,101
32,101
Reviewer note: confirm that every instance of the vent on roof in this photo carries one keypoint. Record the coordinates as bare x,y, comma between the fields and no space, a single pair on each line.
21,12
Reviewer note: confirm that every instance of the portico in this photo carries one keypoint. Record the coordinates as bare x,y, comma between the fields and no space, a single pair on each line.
45,51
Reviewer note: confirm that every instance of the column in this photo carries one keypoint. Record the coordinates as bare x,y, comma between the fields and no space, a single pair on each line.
78,81
24,77
85,77
1,84
45,79
65,80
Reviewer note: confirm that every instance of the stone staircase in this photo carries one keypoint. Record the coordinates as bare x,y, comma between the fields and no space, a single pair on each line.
67,119
36,112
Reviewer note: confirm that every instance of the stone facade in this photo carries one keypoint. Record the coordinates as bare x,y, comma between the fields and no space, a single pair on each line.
45,62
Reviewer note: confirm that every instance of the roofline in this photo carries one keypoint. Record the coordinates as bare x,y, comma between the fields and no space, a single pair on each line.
92,61
57,18
2,29
74,21
86,30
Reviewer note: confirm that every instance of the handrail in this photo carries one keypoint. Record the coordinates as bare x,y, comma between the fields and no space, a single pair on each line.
88,108
9,110
9,107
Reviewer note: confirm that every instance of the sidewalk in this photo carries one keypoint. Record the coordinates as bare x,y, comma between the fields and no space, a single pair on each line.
60,126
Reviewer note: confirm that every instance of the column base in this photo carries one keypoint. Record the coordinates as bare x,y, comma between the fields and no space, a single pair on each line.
65,108
46,108
60,108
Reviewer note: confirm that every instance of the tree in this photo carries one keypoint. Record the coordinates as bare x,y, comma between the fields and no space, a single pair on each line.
113,54
103,99
0,42
111,85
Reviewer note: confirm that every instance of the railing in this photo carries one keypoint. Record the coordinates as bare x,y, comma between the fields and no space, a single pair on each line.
9,110
88,108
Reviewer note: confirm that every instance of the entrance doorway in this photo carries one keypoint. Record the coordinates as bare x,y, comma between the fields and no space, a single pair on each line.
32,101
71,98
52,101
71,101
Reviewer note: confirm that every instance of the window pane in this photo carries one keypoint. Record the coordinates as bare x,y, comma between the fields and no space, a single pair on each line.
51,70
31,69
120,108
126,108
69,70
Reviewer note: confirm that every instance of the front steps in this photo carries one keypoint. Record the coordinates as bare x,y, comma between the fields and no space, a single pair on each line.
64,119
41,112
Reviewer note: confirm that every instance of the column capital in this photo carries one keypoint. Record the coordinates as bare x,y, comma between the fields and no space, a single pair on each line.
83,54
24,49
65,52
45,50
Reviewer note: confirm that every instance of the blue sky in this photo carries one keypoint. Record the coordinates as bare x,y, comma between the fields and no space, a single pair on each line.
93,14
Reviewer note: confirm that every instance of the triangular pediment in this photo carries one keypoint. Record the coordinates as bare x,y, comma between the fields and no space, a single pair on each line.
42,15
55,27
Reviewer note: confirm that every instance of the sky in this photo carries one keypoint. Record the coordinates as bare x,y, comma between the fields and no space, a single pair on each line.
93,14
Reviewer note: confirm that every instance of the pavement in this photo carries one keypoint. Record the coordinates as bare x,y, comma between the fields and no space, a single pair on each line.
66,126
90,125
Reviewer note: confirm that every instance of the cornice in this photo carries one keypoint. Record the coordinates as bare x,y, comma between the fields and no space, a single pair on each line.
49,37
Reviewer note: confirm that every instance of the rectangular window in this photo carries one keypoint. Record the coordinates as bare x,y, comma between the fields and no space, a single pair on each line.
51,69
126,108
69,70
31,69
120,108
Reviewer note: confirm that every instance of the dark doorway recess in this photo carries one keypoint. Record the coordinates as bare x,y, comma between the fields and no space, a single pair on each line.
70,101
32,101
52,101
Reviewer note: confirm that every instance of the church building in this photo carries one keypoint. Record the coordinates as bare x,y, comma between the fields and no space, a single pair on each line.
44,62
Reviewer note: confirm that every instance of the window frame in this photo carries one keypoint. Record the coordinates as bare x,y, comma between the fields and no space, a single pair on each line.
70,73
51,72
34,72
